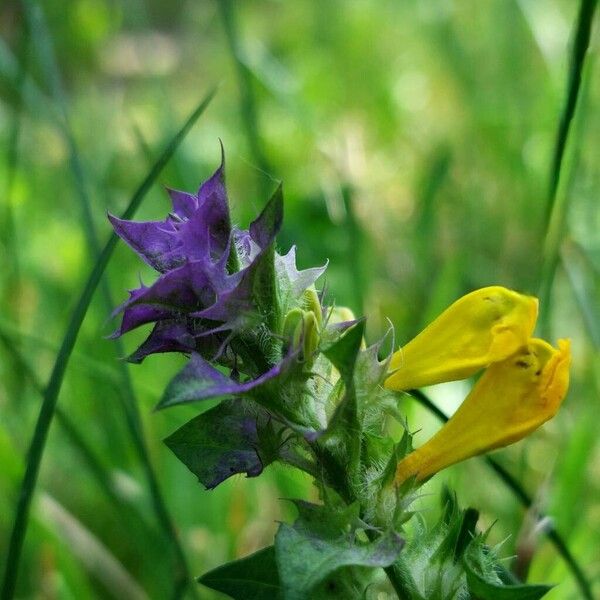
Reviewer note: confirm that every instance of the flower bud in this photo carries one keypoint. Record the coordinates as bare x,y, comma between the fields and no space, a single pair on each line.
302,329
313,304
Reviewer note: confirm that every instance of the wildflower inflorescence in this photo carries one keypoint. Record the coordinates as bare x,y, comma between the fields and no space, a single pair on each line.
298,385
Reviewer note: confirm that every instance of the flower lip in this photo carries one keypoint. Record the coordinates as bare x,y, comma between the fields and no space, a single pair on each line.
556,375
483,327
513,398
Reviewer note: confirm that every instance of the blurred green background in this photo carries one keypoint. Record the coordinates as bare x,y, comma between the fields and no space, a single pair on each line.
415,143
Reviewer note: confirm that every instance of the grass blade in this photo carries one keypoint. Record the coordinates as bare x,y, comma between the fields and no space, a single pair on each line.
244,76
46,57
47,410
95,557
524,498
580,48
582,278
554,217
13,290
72,432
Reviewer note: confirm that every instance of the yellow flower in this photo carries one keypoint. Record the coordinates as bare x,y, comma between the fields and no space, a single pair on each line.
479,329
511,399
523,386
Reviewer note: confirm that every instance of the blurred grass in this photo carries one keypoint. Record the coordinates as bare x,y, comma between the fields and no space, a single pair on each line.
427,130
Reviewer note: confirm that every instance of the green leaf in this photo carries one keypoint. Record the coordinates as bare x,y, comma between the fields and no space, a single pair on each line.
254,577
344,352
403,573
459,533
369,371
342,441
466,532
485,584
400,450
327,521
264,290
460,528
227,439
347,583
484,590
320,543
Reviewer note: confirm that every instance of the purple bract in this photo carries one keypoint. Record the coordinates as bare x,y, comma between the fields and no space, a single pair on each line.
209,272
198,297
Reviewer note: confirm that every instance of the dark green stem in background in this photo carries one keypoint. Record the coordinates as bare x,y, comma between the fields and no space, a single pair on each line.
77,439
525,500
13,284
355,249
248,109
553,217
581,44
52,390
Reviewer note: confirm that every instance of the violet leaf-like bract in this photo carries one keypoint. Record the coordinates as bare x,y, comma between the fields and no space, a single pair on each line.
198,380
198,302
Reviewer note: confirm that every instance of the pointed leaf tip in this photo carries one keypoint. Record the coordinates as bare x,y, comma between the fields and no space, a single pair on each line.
268,224
253,576
344,351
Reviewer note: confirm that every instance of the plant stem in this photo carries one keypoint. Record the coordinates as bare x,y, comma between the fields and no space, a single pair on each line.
397,583
244,77
554,216
343,489
581,44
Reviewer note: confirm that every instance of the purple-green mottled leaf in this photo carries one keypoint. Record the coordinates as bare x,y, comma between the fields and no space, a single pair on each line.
167,336
155,242
221,442
198,380
201,287
198,226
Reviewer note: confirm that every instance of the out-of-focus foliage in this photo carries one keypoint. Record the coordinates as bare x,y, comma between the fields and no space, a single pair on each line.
414,141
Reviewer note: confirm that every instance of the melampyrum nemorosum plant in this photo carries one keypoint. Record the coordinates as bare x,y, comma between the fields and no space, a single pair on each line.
298,385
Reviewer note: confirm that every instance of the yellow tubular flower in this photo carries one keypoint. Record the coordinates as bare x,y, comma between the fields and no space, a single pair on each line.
481,328
511,399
